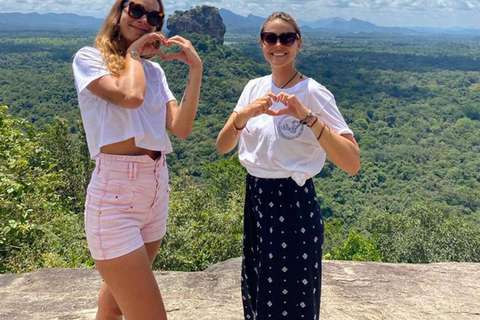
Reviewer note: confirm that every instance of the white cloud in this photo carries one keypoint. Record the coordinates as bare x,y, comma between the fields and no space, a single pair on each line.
446,13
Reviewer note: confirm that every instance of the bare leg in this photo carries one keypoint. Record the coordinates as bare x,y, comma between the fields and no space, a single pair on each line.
108,308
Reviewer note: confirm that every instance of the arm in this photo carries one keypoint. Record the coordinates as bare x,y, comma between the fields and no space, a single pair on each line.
343,150
128,89
228,137
180,118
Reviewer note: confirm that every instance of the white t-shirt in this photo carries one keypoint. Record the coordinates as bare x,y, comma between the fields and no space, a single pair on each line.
281,147
106,123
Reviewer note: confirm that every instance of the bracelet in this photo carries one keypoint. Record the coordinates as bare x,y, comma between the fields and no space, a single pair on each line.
134,53
233,123
321,132
307,118
315,121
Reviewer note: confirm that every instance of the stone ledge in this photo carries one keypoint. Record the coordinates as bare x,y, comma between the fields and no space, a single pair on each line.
351,291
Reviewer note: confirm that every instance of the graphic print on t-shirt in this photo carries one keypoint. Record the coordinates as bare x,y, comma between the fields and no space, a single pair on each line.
289,128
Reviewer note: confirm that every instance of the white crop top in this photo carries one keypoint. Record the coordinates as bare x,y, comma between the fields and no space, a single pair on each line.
281,147
106,123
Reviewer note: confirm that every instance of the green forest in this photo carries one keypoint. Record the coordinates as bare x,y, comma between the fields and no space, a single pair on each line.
413,103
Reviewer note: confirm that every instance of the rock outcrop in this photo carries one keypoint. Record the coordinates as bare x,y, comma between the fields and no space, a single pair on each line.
201,19
351,291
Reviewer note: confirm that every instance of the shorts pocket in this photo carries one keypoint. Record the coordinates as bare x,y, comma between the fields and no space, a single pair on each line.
111,198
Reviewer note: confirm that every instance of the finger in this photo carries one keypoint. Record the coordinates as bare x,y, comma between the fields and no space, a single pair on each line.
260,107
272,96
153,36
280,112
148,40
291,100
281,96
275,113
177,37
171,56
266,105
164,38
179,42
268,101
271,112
156,51
161,54
265,98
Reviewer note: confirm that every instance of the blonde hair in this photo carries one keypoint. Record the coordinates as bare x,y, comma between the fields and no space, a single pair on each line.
109,39
285,17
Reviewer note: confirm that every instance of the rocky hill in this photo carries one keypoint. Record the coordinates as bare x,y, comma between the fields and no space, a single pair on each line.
201,19
351,291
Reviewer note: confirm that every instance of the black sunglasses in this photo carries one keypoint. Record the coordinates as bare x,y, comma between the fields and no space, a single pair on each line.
286,39
136,11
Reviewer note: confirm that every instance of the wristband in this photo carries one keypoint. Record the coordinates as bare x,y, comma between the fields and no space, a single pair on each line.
321,132
233,123
314,121
307,118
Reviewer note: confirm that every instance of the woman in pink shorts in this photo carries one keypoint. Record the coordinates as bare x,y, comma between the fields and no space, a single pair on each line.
127,108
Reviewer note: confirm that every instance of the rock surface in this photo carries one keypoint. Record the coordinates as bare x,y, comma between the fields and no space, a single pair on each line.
351,290
201,19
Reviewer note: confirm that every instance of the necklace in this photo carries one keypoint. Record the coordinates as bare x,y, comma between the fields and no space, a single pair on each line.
290,80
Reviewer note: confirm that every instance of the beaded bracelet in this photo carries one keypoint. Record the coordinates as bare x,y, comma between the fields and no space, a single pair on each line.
307,118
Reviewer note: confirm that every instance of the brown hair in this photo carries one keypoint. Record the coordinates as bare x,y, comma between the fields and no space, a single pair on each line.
285,17
109,39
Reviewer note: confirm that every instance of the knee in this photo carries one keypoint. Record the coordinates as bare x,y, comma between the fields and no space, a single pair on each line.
109,312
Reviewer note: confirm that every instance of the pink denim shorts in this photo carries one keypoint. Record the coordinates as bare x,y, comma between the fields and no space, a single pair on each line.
126,205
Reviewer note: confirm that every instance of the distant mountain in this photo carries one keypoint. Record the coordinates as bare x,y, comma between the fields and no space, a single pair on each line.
251,24
48,21
356,25
239,24
323,23
234,23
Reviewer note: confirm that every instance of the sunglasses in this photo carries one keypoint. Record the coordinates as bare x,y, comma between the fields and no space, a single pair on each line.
286,39
136,11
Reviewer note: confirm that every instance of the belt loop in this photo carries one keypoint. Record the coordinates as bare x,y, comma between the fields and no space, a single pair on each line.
130,170
99,161
135,170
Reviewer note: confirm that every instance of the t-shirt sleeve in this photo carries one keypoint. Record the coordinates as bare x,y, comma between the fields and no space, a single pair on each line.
323,103
168,95
244,99
88,65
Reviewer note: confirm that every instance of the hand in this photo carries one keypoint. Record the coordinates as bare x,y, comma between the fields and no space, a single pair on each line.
293,108
148,44
259,106
187,54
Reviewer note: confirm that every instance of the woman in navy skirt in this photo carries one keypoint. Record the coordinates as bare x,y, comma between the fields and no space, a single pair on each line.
285,125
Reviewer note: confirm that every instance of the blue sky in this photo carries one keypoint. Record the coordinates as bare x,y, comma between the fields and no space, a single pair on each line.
423,13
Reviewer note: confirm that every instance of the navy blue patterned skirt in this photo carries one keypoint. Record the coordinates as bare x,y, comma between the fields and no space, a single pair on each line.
282,250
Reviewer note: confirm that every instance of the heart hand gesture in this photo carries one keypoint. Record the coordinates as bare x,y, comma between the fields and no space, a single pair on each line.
293,108
188,54
149,44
